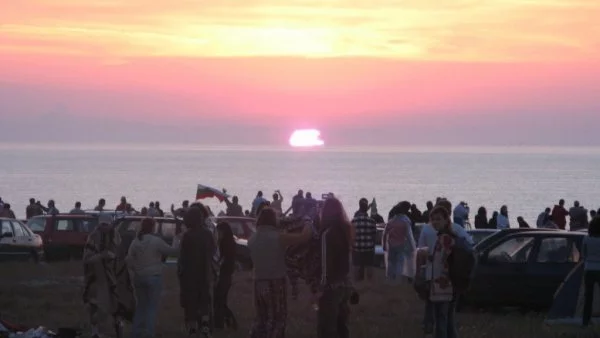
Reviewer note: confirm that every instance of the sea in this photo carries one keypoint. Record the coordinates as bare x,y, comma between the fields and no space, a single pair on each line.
526,179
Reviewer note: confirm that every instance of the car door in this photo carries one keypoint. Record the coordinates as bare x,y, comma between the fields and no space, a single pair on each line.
64,239
553,259
7,242
22,242
501,271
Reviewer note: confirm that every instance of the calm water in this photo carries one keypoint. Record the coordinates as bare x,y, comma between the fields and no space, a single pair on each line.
525,179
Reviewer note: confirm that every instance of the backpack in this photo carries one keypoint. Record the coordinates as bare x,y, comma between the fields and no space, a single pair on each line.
461,265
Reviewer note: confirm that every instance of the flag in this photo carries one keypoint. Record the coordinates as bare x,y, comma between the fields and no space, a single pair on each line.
207,192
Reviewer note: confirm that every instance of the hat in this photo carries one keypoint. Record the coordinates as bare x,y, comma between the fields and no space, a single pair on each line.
104,218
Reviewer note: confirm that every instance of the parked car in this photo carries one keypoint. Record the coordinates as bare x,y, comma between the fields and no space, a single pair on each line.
19,243
128,226
64,235
499,234
523,268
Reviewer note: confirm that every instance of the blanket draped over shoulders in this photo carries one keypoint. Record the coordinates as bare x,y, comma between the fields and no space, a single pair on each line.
108,288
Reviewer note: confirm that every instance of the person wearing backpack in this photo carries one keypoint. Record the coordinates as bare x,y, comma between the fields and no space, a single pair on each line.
442,293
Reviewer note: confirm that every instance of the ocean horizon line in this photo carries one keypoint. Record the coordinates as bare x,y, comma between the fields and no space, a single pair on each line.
150,146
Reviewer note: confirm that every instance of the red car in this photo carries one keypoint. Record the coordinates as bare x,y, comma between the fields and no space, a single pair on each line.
64,235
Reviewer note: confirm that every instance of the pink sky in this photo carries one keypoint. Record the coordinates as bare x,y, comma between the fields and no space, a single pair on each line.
528,67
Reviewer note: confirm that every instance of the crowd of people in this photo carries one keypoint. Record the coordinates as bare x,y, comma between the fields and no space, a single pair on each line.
334,255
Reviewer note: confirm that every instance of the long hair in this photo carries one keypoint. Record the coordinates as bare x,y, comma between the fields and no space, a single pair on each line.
333,214
226,240
267,216
195,216
146,227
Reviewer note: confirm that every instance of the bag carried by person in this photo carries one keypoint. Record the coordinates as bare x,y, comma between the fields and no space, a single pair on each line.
461,265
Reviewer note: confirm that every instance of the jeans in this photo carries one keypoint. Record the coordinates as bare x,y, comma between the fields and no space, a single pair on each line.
332,319
445,321
147,293
591,278
395,263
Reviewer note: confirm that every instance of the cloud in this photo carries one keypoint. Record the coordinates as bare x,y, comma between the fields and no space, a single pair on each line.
460,30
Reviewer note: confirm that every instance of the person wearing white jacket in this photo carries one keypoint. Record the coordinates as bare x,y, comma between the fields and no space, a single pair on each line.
502,221
145,259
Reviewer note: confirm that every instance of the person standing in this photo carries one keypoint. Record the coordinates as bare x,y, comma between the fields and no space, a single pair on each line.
330,275
276,204
101,205
363,250
108,290
267,247
399,244
442,294
428,239
559,215
542,218
502,221
77,209
591,259
33,209
196,271
145,258
52,210
227,251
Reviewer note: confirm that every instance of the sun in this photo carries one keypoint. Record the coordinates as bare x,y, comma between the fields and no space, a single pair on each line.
304,138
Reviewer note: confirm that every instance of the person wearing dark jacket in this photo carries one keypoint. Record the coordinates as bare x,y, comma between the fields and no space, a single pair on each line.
329,278
196,271
481,221
227,249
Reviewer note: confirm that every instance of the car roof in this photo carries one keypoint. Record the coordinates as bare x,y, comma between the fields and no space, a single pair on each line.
240,218
139,217
67,216
483,230
552,233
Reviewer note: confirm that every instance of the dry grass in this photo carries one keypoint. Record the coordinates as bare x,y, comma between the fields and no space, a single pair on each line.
385,311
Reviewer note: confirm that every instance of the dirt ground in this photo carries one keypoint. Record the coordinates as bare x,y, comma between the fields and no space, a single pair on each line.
50,295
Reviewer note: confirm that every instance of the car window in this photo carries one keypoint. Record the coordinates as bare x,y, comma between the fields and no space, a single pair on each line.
6,227
18,231
37,224
64,225
513,250
23,228
84,225
556,250
168,229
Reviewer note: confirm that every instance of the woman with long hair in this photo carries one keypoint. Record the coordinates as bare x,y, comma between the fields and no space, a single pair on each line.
108,290
481,220
145,258
442,295
330,275
267,249
227,250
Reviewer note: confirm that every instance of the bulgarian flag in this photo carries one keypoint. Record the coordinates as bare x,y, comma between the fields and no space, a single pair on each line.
208,192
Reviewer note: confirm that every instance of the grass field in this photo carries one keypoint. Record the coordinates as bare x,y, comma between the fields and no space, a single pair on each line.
50,295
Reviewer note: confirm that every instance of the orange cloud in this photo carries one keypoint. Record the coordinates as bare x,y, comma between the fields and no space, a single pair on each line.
459,30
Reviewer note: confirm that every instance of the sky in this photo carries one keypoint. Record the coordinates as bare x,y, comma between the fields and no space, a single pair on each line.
376,72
